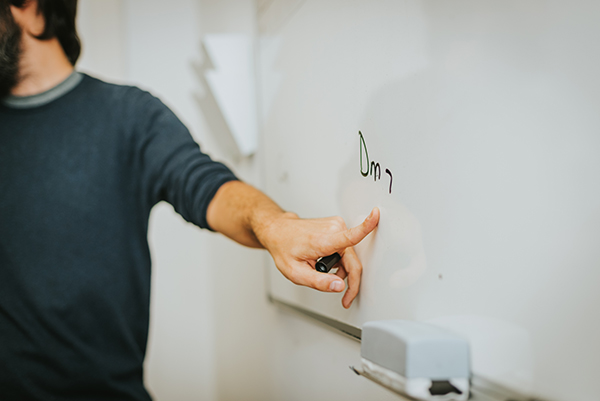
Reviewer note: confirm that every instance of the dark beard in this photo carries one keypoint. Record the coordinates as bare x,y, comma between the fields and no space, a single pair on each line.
10,51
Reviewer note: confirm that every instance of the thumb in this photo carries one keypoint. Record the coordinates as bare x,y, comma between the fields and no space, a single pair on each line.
319,281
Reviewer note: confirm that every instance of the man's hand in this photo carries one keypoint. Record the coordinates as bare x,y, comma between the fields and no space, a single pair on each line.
249,217
296,244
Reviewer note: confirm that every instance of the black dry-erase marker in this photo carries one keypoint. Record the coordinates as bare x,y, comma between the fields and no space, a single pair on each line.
327,262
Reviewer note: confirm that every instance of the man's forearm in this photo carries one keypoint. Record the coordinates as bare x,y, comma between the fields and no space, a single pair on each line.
248,216
242,213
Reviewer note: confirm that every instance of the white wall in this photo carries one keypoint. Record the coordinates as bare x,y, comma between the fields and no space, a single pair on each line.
207,292
161,41
214,335
124,42
242,323
101,27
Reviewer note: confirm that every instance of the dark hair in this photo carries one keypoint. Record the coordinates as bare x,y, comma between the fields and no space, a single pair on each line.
59,17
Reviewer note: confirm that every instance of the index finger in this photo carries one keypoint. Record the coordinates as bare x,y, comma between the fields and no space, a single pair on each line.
354,235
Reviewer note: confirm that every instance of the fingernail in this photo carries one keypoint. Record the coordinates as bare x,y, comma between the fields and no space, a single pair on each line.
336,285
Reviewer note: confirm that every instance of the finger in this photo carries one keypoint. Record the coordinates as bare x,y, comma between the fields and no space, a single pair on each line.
341,273
353,268
303,274
348,238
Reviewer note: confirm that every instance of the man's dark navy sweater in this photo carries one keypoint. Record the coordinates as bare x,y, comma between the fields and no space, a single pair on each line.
78,178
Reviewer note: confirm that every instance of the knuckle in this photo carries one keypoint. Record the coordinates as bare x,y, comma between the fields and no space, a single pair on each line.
357,268
291,215
348,236
355,272
318,284
339,221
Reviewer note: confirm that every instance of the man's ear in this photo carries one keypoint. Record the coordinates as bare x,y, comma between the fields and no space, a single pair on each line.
29,18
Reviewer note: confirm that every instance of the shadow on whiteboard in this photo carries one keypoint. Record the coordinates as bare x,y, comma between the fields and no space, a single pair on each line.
500,350
398,237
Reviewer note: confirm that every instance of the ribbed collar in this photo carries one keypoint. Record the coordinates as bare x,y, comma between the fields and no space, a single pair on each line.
27,102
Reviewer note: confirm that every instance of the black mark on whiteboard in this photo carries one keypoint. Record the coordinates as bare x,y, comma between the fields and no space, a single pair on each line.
391,179
363,145
375,168
372,168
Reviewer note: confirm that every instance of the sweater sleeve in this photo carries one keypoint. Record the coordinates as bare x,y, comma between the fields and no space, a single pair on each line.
173,167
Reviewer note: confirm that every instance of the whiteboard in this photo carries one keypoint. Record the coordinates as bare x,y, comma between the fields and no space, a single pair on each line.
487,117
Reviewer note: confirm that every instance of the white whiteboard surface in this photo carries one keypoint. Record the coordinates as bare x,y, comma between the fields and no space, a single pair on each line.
487,115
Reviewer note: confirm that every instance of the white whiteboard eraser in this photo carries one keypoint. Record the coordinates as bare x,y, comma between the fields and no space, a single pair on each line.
424,361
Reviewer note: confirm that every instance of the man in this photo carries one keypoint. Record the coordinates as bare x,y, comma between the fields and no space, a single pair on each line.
82,163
